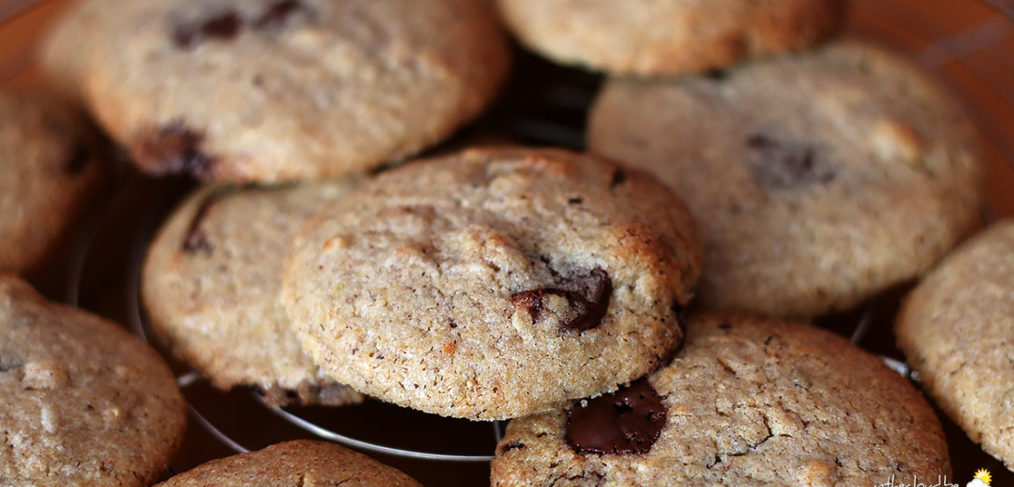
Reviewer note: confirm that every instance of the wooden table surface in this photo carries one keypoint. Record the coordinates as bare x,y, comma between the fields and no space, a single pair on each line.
968,44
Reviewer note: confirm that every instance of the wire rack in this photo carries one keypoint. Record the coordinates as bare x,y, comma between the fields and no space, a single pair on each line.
971,47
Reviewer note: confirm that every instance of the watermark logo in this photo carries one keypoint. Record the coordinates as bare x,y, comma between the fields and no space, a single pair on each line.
982,479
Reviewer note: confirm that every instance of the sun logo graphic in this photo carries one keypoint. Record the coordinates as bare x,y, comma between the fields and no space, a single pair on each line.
982,479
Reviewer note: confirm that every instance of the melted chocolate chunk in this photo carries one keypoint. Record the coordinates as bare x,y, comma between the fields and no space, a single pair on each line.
780,164
175,149
514,445
78,159
196,239
626,421
588,296
278,14
619,177
224,26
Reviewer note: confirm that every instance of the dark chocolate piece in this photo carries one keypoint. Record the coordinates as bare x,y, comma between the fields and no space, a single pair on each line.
619,177
278,14
196,239
224,26
175,149
514,445
588,296
781,164
626,421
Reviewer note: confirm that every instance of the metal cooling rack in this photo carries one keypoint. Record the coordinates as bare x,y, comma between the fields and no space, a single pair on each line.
543,104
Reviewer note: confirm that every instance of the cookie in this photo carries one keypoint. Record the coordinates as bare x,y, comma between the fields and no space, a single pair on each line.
818,179
82,402
957,330
494,283
51,166
301,462
746,402
276,90
212,282
668,37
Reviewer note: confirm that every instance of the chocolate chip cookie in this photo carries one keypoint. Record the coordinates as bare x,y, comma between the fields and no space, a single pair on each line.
957,330
212,282
494,283
82,402
818,179
746,402
52,162
274,90
294,463
668,37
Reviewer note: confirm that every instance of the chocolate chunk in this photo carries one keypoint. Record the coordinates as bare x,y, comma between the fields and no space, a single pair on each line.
196,239
78,159
717,75
588,296
626,421
780,164
174,149
530,301
575,201
277,14
619,177
224,26
514,445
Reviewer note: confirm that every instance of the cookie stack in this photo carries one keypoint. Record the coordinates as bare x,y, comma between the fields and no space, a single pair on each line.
544,286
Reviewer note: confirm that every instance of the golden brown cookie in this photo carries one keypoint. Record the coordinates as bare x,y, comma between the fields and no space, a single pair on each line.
818,179
494,283
212,283
52,162
668,37
957,330
300,463
275,90
747,402
82,402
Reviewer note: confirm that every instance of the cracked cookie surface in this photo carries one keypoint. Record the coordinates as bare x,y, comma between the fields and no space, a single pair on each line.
301,463
82,402
746,402
957,331
818,179
494,283
212,285
278,90
51,165
668,37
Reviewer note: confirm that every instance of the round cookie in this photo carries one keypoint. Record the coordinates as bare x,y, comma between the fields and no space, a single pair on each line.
212,283
82,402
494,283
50,166
746,402
818,179
295,463
274,90
957,330
668,37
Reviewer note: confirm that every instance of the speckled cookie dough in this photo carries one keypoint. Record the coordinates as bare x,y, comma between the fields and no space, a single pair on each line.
818,179
278,90
668,37
957,330
82,402
212,286
746,402
301,463
494,283
52,162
